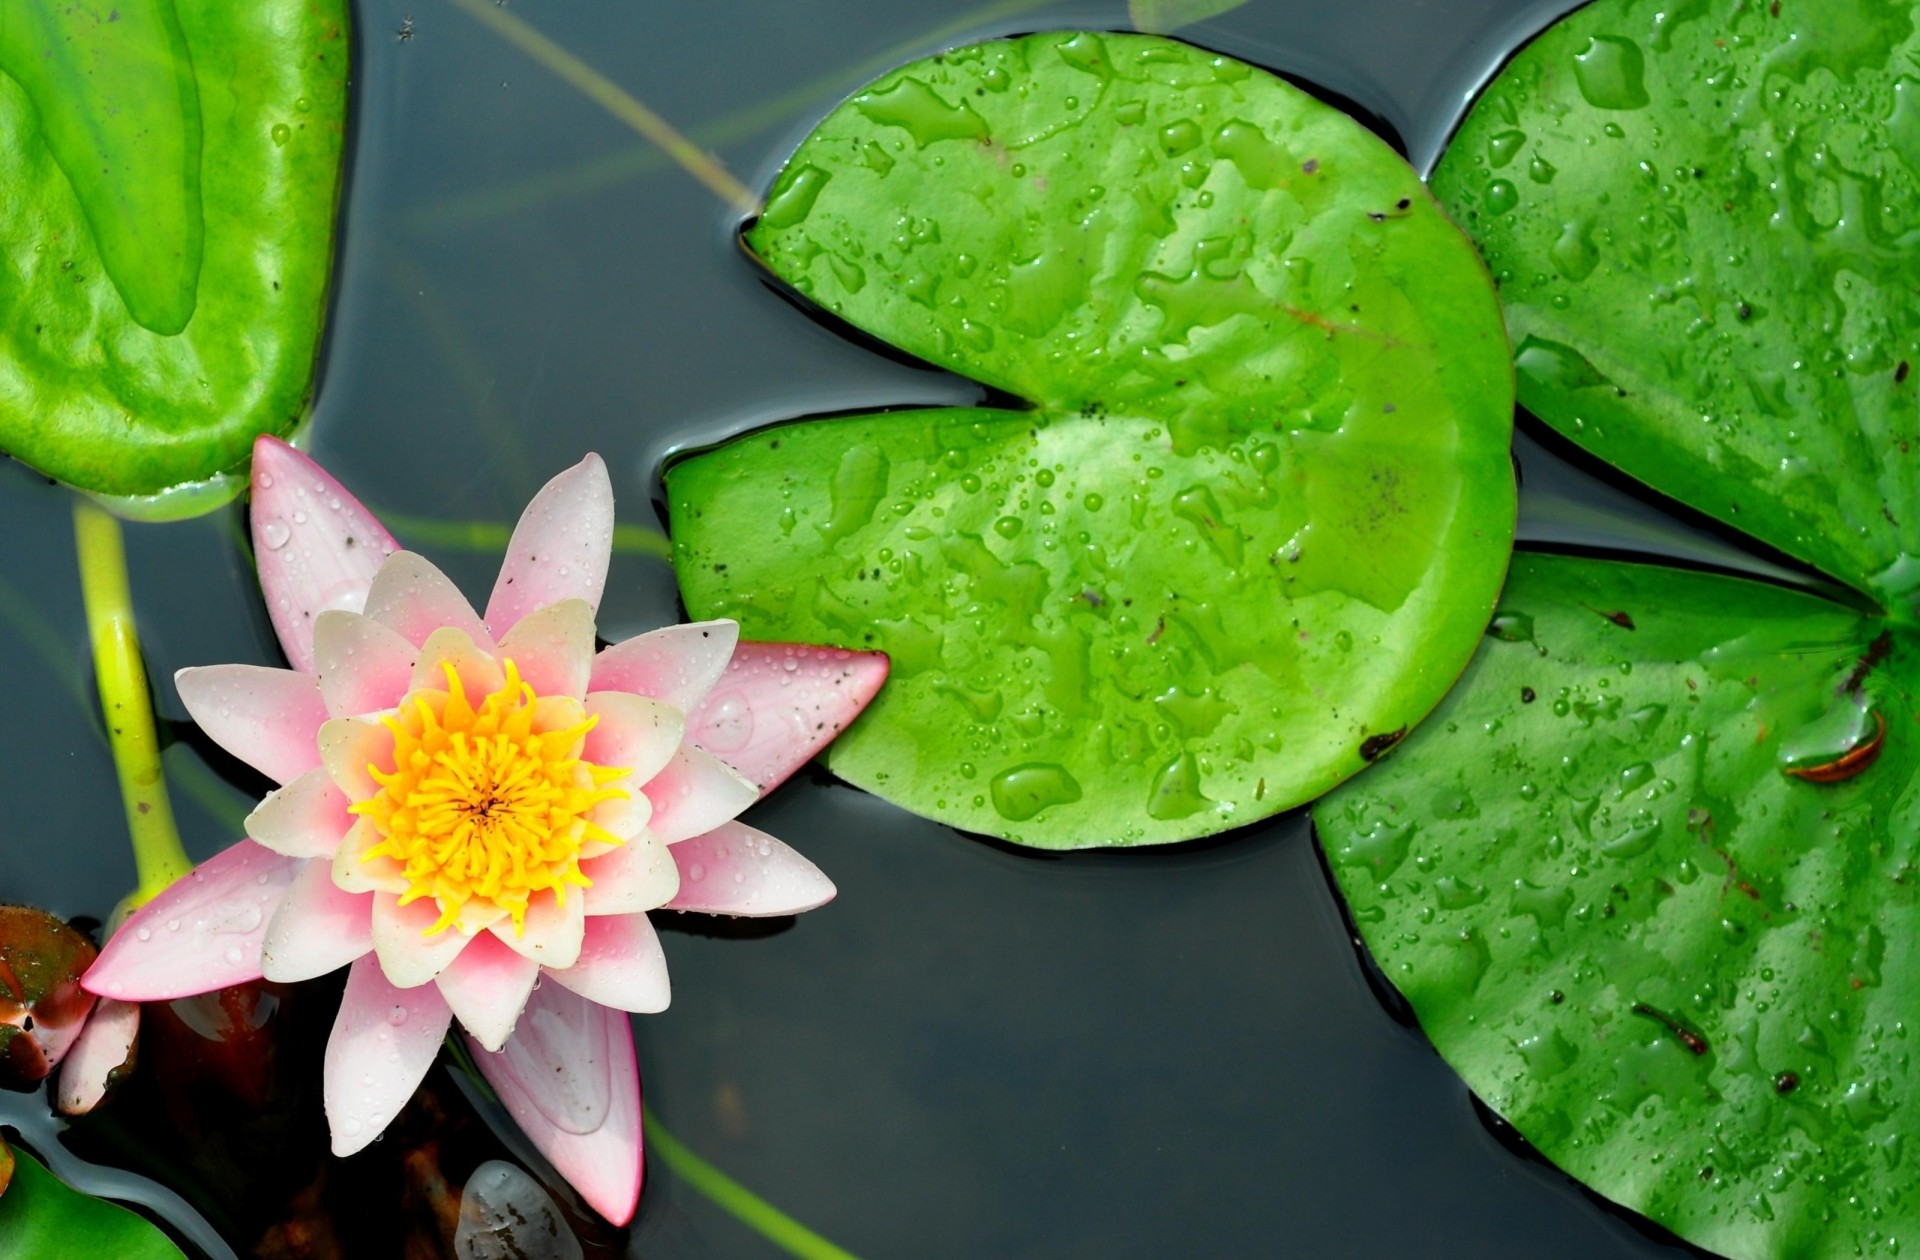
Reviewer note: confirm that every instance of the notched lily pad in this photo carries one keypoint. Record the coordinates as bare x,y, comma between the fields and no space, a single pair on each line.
1261,504
1705,222
1683,966
172,171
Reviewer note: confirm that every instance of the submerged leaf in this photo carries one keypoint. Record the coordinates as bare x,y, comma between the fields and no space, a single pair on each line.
1685,973
1163,17
42,1218
1260,506
1705,222
172,169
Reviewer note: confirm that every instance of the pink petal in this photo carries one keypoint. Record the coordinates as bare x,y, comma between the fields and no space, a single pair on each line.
553,648
266,717
621,965
487,986
411,596
780,703
559,549
363,666
569,1080
304,819
201,934
384,1040
104,1047
737,870
317,929
677,665
407,954
637,876
316,547
551,933
694,794
479,674
632,731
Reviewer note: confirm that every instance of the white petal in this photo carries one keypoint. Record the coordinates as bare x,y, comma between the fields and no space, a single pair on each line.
104,1047
408,955
304,819
621,965
413,597
677,665
735,869
551,933
315,545
363,666
348,746
487,986
384,1040
317,929
265,717
632,731
354,872
694,794
639,875
560,547
553,648
479,673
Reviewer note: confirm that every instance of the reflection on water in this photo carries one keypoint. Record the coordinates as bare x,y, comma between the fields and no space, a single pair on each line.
974,1051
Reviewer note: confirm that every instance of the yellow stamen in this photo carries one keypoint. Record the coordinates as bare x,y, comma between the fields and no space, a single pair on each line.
482,808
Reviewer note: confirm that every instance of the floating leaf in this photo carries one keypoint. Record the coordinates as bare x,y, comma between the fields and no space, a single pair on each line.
172,169
1685,973
42,1218
1705,222
1260,506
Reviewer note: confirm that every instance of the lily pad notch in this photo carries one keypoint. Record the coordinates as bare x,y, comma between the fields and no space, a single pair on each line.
1260,505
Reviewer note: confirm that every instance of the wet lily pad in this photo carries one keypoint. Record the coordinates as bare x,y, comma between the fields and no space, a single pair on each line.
42,1218
1705,222
172,171
1650,877
1257,505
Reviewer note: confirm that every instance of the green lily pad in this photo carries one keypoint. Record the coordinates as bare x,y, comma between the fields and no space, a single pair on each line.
1705,222
1650,877
42,1218
1258,507
172,171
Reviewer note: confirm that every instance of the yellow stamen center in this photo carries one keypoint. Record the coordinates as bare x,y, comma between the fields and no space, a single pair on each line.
481,805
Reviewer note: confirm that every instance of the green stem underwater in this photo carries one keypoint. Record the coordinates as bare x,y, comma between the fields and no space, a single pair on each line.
157,853
736,1200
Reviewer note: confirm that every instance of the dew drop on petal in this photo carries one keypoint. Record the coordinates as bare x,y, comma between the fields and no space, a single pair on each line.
275,534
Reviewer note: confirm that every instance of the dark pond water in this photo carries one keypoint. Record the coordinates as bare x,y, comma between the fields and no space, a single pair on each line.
974,1051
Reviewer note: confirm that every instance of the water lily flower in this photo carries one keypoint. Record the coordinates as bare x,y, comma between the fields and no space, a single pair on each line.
476,812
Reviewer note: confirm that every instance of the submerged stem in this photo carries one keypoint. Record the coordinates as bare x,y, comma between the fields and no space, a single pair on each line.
736,1200
157,853
616,100
491,537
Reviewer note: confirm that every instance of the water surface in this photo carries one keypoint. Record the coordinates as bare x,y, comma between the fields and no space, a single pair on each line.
975,1050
